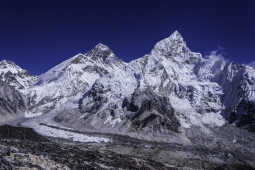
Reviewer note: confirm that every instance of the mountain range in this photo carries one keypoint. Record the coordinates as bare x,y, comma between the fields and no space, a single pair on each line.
170,109
161,94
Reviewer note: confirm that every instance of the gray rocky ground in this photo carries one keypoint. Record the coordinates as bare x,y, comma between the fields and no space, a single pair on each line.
22,148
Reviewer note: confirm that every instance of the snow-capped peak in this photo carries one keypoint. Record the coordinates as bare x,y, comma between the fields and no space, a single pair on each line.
176,35
15,76
102,47
71,78
172,45
101,52
9,66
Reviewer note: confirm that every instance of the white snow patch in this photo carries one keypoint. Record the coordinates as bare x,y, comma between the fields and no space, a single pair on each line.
112,121
58,133
31,115
213,119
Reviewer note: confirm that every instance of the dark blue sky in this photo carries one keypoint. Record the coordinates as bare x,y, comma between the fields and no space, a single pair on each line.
39,34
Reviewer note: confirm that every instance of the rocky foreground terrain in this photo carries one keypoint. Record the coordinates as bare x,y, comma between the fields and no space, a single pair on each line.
23,148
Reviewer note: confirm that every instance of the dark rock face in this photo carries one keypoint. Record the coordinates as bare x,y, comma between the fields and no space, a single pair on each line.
244,115
12,102
147,109
20,133
98,70
238,90
96,100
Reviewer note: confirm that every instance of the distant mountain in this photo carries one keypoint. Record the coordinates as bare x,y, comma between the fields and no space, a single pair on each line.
15,76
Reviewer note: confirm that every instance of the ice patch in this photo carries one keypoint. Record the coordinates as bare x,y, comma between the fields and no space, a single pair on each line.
213,119
58,133
32,115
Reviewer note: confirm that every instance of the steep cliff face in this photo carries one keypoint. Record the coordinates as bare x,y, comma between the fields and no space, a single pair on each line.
12,103
238,83
148,111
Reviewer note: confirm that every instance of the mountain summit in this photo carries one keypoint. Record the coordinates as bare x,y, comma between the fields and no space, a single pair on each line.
15,76
172,45
102,52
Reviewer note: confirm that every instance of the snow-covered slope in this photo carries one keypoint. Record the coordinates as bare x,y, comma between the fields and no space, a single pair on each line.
68,81
15,76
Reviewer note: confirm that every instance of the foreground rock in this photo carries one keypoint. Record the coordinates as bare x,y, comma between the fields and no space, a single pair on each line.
23,148
34,151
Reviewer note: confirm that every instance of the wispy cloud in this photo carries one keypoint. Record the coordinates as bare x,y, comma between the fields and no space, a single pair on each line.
216,56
